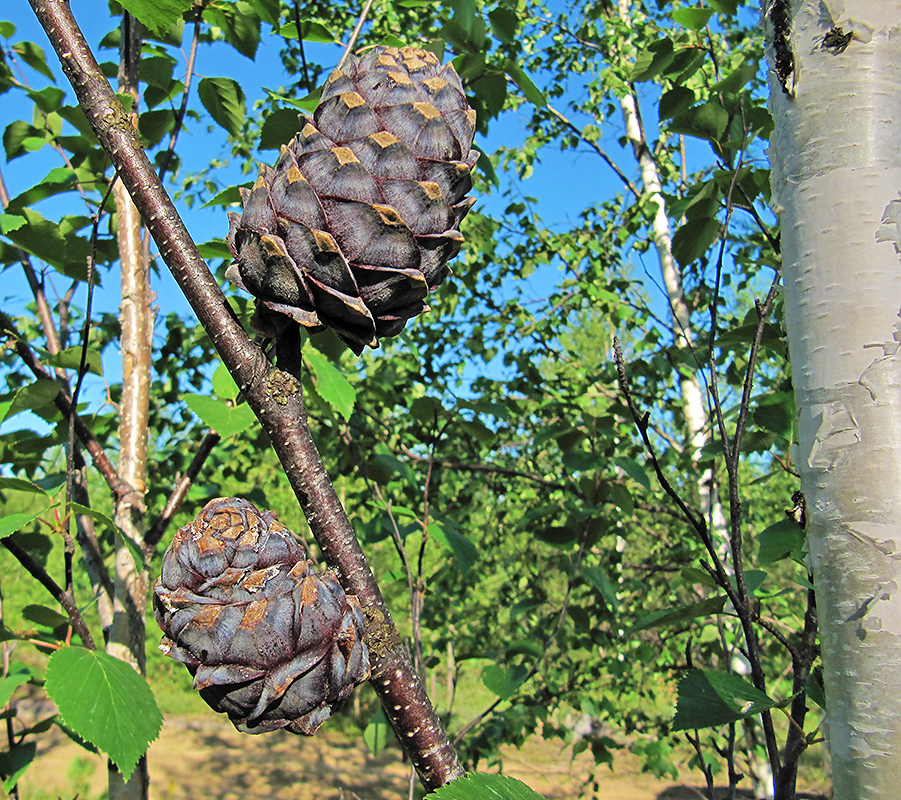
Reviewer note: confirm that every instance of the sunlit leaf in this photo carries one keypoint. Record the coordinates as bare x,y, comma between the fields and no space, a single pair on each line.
70,358
377,733
692,18
330,384
106,702
10,683
224,99
159,15
226,420
708,698
477,786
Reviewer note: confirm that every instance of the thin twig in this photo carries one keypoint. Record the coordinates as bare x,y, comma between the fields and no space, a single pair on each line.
183,108
355,33
176,498
60,595
597,149
62,401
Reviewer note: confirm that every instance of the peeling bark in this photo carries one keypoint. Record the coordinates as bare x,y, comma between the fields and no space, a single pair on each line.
836,172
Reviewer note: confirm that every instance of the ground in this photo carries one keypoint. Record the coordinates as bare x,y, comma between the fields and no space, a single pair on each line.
204,758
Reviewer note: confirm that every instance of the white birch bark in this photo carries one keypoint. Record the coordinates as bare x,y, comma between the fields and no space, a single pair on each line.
694,406
836,160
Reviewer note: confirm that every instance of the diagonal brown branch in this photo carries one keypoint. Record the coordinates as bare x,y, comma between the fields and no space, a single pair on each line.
273,394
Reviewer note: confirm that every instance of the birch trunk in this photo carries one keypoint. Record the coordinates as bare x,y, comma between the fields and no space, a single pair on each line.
693,403
836,171
127,633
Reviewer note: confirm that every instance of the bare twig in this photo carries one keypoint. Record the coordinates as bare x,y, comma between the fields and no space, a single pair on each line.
597,149
355,33
59,594
158,529
62,401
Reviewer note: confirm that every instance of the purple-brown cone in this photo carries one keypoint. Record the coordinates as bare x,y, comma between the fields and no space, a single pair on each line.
358,219
269,641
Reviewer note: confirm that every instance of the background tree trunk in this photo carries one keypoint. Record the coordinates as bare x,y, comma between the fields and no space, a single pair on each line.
836,160
127,634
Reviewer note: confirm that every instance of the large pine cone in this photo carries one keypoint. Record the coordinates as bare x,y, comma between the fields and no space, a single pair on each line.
270,642
356,223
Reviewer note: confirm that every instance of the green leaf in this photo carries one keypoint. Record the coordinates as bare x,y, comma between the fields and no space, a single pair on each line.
14,522
7,29
330,384
106,702
280,127
215,248
485,166
35,395
503,682
708,698
477,786
224,386
224,99
556,535
20,485
377,732
634,470
224,419
11,222
672,616
158,15
598,578
46,617
15,761
10,683
227,197
465,552
675,101
694,238
310,32
652,60
736,80
504,24
136,552
70,358
692,18
532,93
240,25
34,56
42,238
306,104
814,687
724,6
780,541
706,121
14,138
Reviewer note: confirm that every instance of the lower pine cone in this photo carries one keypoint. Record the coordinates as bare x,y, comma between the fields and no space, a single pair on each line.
269,641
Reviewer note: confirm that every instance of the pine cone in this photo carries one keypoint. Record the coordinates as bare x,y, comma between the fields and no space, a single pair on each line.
356,223
270,642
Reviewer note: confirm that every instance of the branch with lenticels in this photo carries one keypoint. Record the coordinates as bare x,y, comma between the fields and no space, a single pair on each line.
272,393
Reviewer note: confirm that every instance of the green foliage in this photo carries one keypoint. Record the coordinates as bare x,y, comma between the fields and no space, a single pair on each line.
106,702
478,786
